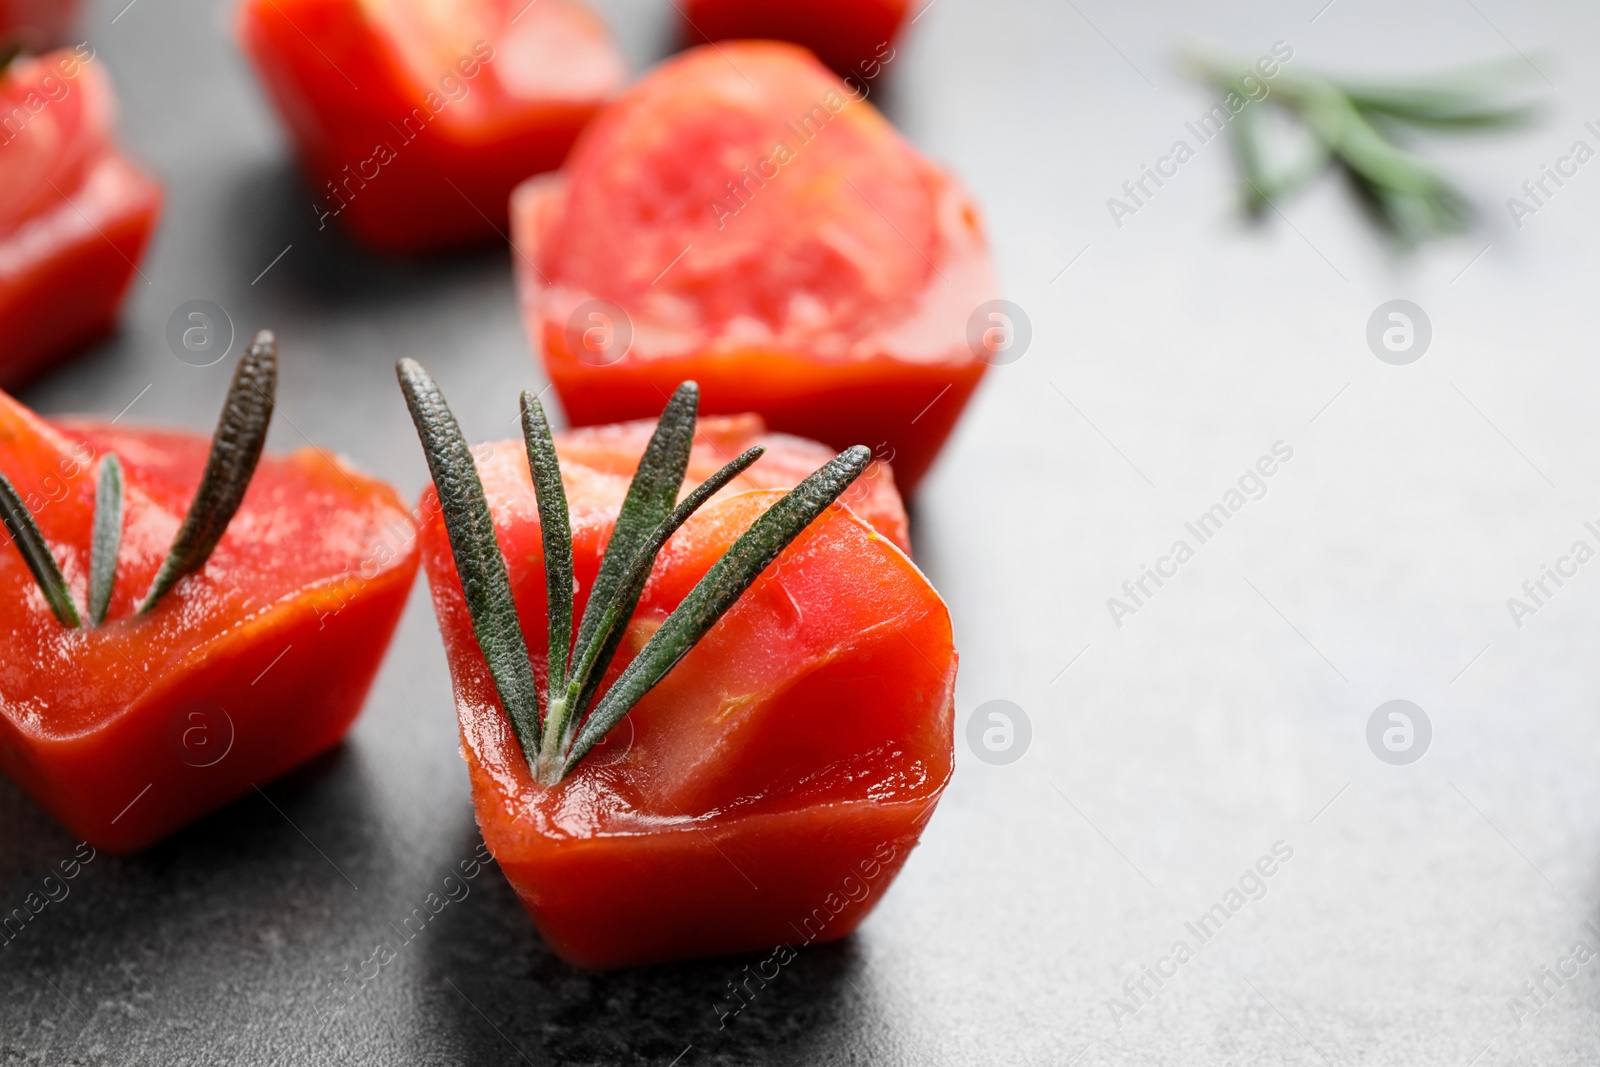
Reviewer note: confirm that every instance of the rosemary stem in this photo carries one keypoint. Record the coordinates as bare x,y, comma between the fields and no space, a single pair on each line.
574,720
547,768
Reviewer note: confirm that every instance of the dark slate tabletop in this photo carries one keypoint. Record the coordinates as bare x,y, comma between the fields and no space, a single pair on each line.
1419,911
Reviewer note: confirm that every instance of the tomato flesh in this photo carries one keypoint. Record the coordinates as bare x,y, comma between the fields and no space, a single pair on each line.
848,35
793,755
75,215
244,670
416,118
768,236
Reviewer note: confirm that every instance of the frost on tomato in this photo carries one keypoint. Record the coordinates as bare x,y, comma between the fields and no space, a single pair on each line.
742,218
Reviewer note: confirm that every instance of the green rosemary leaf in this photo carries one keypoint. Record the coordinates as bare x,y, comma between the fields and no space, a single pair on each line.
1361,147
1407,195
479,562
107,540
714,594
1412,214
235,451
556,530
1460,99
649,501
1249,154
1440,108
36,554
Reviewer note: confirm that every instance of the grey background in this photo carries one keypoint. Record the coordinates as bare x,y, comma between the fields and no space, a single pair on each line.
1168,753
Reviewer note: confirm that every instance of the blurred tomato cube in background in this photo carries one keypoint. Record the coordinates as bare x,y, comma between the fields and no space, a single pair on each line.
742,217
851,36
414,120
75,214
37,25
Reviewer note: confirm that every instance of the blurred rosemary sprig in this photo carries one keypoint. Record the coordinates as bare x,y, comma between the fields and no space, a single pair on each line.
1357,128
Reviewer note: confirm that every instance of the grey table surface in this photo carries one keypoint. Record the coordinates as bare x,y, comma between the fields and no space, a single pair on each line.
1171,747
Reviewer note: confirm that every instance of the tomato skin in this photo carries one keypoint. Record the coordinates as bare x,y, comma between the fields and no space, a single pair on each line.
769,790
75,215
37,24
417,158
875,402
686,891
812,307
98,724
847,35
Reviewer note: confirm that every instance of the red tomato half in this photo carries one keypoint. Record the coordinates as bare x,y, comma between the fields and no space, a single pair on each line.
75,215
851,36
771,787
416,118
37,24
756,229
243,671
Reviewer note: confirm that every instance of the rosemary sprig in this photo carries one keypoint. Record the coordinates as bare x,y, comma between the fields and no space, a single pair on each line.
107,540
1356,128
235,451
554,743
36,554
